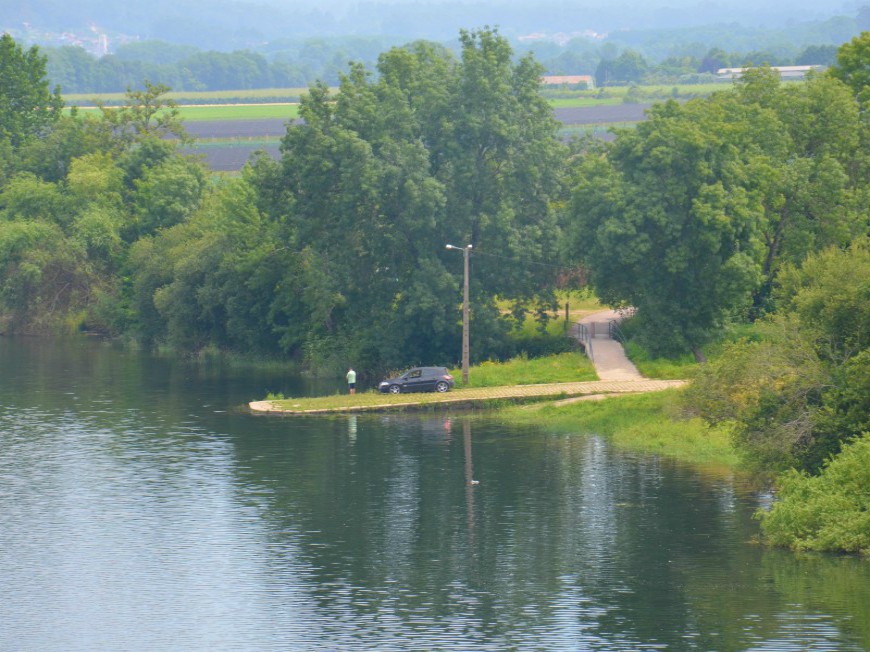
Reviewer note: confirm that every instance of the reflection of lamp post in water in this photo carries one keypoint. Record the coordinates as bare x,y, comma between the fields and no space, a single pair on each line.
469,469
466,250
470,482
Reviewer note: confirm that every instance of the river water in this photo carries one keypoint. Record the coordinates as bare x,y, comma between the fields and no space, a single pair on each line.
142,509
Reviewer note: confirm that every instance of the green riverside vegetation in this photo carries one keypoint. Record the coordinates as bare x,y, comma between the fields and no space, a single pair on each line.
651,423
734,222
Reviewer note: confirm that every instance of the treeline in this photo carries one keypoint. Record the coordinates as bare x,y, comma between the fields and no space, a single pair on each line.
290,63
284,64
749,208
335,253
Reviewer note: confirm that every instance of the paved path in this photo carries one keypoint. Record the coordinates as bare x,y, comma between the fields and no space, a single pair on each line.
608,356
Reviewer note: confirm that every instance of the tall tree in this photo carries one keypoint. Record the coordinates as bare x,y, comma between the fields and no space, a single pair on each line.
698,208
853,66
27,106
434,151
665,223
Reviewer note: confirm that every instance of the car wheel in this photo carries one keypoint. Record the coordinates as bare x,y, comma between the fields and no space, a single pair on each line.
395,389
441,386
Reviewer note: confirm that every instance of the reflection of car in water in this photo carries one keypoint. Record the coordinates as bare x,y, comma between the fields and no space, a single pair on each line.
419,379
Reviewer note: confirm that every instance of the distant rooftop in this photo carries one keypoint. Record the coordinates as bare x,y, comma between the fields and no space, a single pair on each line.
786,72
568,80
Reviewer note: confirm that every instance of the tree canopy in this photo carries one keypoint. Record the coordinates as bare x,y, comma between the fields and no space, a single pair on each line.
27,106
688,217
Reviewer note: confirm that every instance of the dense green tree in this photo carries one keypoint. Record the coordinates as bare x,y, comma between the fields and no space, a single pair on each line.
72,201
853,66
698,207
810,173
714,60
817,55
435,151
28,197
666,223
216,279
44,275
168,194
27,106
629,66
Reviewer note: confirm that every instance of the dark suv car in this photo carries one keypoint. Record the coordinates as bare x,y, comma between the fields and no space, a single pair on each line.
419,379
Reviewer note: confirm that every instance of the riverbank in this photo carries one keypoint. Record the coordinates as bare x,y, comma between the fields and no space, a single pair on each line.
650,423
471,397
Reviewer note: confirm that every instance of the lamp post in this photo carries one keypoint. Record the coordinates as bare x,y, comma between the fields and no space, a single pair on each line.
466,250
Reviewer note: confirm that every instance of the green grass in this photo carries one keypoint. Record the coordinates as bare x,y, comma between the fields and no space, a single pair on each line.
561,368
240,112
222,112
360,399
200,97
684,366
649,423
679,368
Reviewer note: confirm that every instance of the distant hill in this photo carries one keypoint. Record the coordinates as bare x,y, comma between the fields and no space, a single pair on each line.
228,25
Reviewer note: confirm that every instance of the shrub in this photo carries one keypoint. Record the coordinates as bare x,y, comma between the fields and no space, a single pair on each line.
825,513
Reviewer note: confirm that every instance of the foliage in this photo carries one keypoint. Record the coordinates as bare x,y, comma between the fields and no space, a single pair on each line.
27,107
384,174
665,223
691,214
770,390
825,513
829,293
72,201
629,66
853,66
799,392
649,422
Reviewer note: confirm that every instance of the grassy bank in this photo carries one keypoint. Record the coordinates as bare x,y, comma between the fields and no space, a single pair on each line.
643,422
560,368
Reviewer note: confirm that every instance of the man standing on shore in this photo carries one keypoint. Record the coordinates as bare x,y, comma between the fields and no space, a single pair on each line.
351,380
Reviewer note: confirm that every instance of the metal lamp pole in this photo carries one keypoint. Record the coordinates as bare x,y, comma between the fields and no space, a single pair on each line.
466,250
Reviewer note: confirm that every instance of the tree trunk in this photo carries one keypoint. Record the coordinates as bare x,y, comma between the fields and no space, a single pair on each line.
700,358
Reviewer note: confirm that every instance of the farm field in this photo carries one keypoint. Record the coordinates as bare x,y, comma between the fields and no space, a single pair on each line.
229,126
226,144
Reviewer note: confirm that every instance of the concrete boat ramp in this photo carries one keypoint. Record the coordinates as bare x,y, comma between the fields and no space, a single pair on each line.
616,373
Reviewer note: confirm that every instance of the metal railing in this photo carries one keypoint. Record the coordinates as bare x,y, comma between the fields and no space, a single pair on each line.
584,337
615,332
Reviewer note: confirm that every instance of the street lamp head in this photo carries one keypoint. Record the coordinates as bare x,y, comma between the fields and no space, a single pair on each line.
450,247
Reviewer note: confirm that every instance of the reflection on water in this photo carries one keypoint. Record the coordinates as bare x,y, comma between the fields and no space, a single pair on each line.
140,510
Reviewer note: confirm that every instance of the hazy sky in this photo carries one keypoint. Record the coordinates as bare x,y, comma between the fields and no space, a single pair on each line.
229,24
